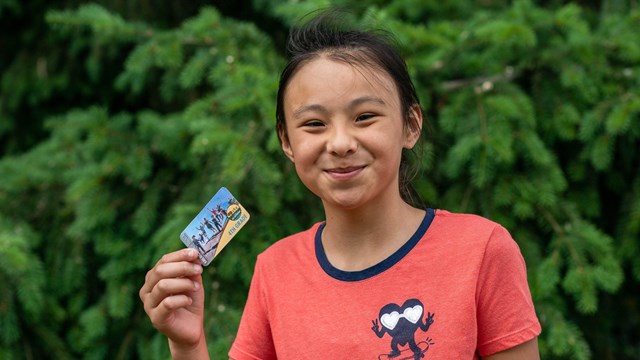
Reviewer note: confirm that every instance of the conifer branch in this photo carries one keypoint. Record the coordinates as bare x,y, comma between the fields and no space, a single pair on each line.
562,234
482,83
466,198
482,115
128,338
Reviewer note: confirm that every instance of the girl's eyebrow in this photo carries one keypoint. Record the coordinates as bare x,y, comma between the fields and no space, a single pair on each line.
321,109
310,108
366,99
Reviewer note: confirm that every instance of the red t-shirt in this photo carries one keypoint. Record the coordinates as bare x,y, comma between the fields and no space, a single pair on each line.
456,290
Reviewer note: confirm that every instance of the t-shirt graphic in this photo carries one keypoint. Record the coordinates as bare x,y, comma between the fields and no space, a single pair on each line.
401,324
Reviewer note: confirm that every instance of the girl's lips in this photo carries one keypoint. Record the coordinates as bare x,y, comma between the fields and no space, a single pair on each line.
344,173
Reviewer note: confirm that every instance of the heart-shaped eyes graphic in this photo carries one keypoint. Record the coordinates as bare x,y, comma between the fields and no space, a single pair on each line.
412,314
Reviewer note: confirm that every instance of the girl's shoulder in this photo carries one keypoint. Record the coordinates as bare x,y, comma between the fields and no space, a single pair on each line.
464,220
468,229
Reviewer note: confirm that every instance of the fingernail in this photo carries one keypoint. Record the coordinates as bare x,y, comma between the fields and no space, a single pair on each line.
196,285
191,253
197,269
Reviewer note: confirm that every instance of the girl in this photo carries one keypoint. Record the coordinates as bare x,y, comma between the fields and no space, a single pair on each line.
380,278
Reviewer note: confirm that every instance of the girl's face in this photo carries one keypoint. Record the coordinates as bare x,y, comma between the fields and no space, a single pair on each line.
345,133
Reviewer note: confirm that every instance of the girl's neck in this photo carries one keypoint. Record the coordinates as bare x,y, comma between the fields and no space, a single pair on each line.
355,239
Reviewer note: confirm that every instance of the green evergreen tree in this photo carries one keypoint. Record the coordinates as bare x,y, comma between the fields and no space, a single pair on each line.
118,122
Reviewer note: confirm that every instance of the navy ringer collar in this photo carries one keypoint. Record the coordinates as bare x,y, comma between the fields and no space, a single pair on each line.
379,267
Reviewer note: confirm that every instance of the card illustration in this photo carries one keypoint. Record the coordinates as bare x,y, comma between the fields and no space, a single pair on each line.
214,226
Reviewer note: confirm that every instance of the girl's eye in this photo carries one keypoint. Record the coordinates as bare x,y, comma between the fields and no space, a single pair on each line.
364,117
313,123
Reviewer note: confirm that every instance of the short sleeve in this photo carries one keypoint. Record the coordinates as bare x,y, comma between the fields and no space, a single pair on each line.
505,312
254,340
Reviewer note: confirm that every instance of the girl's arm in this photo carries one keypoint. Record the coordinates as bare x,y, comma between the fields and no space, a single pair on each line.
524,351
198,352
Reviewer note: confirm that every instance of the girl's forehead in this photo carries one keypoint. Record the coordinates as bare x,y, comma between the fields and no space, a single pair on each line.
321,76
366,70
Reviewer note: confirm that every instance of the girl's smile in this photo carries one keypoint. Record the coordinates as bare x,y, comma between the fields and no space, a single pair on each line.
346,173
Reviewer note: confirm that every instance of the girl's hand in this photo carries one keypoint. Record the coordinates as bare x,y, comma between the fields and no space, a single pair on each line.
174,299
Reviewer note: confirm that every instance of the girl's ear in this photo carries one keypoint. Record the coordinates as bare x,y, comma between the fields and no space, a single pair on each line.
414,128
286,145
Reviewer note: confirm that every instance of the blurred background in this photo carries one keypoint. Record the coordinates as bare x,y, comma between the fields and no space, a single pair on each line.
120,119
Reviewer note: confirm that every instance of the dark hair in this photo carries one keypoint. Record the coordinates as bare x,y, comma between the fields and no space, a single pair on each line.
327,35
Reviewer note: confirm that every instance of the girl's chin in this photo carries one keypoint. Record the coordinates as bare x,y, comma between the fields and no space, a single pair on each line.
345,200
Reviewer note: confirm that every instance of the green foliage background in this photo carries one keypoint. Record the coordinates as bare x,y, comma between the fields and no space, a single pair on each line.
119,120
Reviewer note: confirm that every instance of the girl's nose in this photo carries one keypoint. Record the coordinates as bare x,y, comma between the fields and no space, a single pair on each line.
341,141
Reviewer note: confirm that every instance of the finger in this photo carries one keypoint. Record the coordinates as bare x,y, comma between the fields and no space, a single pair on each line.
187,254
166,288
151,295
165,270
163,311
153,276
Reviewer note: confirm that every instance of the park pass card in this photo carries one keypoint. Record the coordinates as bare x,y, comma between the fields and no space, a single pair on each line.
216,224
